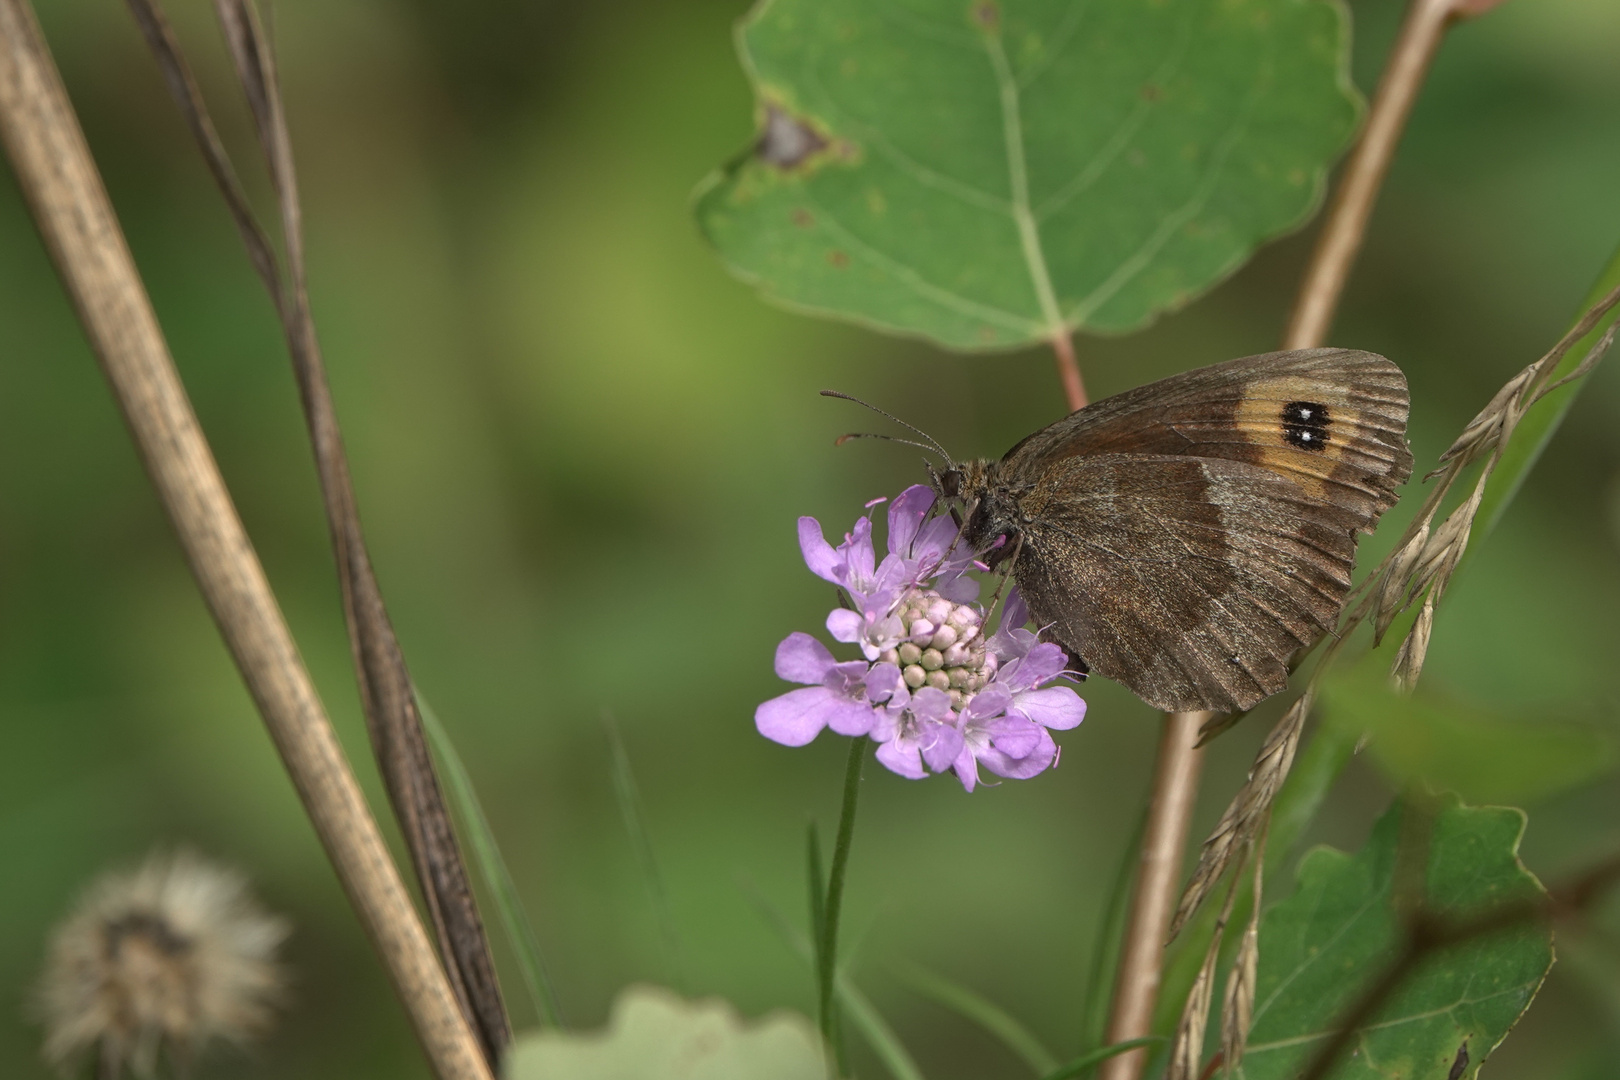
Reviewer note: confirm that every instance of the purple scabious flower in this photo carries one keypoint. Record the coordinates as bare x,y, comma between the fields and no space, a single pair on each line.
932,690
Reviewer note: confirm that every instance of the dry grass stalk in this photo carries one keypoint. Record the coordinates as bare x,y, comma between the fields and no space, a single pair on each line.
1187,1050
68,202
385,684
1237,1010
1243,818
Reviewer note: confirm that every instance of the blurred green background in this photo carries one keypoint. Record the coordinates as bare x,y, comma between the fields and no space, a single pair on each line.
580,449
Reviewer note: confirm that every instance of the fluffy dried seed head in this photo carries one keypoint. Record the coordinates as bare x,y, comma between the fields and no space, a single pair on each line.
165,959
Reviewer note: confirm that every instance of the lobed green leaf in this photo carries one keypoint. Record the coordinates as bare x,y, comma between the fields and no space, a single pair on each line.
992,174
1323,946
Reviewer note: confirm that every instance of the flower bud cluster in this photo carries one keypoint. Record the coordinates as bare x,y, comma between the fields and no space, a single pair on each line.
942,646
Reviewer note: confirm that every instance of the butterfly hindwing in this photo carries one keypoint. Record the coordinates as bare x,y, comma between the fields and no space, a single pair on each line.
1189,581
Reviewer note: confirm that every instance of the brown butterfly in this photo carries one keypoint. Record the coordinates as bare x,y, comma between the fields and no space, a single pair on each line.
1187,537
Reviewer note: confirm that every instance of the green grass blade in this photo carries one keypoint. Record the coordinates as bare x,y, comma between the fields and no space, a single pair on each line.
818,891
876,1031
1539,425
987,1014
635,823
492,867
1097,1057
885,1044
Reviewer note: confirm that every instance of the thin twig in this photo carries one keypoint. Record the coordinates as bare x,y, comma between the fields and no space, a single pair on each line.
1339,242
386,692
69,204
1074,387
1136,987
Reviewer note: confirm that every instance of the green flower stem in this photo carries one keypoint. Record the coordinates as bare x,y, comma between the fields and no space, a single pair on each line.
827,953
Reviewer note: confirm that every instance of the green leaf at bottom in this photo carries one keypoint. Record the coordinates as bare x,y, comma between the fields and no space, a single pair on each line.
656,1035
1323,946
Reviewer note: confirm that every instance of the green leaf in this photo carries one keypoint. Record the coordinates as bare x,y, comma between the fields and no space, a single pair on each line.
1480,755
992,174
1322,947
656,1035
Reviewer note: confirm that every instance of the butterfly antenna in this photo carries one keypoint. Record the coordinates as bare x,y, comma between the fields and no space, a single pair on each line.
933,444
842,439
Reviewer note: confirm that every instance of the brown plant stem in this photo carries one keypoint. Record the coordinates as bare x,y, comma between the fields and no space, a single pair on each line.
1141,960
69,204
1074,388
1339,242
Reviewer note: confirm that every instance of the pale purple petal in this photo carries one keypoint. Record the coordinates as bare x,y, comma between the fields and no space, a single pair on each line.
1044,663
967,768
883,682
906,516
1014,612
1038,761
797,716
931,704
991,701
859,557
820,556
903,758
940,746
845,625
959,588
1056,707
802,659
847,680
934,540
1015,736
851,718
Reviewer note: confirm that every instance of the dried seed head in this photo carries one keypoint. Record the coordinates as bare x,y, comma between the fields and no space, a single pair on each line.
1186,1052
171,956
1409,661
1501,412
1247,811
1237,1011
1395,591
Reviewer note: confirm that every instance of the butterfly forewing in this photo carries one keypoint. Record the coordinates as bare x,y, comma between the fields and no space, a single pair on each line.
1187,537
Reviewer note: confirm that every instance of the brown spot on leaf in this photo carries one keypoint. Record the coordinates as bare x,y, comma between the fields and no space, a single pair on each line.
838,259
987,14
1150,92
1459,1066
803,218
786,141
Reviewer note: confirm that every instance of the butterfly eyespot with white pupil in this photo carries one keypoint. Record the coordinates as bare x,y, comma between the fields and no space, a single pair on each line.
1305,425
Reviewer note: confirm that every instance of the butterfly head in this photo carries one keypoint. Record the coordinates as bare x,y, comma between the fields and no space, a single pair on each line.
984,505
